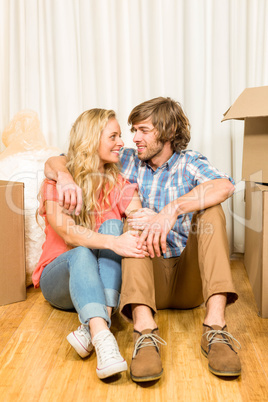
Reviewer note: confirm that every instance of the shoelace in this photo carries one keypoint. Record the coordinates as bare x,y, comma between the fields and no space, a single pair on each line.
85,333
153,340
226,338
107,348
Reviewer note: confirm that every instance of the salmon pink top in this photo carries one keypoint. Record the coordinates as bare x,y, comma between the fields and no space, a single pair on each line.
54,245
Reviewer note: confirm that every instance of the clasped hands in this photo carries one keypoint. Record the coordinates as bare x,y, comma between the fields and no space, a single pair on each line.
154,227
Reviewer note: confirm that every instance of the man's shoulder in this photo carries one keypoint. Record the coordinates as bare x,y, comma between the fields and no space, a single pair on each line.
189,156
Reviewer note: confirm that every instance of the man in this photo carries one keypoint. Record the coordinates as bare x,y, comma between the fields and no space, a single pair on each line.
184,227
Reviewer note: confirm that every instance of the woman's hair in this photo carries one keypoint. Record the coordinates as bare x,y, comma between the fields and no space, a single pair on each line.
83,163
167,117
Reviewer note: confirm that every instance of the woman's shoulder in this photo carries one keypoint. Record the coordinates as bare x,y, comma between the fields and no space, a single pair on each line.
48,182
49,190
121,180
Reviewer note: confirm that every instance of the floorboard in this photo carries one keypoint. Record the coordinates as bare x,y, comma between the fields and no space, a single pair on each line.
38,364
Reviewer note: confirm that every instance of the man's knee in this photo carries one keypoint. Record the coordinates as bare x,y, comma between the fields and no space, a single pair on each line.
212,213
127,227
208,220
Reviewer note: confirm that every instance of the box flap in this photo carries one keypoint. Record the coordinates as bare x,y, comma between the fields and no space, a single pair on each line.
253,102
262,187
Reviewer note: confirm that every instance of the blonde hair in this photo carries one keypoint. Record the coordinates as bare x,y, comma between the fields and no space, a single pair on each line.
83,163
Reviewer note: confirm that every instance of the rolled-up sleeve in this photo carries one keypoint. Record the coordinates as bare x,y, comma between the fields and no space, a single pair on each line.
48,193
199,170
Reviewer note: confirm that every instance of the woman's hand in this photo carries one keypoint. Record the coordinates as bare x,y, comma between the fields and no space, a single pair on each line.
154,227
126,245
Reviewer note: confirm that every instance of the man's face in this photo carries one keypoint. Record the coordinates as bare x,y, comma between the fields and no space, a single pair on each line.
145,138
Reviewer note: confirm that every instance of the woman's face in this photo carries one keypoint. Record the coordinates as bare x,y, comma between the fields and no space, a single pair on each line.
110,143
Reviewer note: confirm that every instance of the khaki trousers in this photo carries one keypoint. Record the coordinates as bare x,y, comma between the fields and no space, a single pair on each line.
203,269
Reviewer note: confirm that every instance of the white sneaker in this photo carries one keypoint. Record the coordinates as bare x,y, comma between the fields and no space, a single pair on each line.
81,341
109,358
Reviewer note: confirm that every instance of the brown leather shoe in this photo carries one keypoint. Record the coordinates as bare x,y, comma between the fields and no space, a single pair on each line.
146,363
218,346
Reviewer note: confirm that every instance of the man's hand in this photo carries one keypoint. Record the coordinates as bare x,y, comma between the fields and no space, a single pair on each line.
155,227
70,195
138,219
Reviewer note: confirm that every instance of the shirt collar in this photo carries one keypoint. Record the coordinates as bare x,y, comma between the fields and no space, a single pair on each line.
173,159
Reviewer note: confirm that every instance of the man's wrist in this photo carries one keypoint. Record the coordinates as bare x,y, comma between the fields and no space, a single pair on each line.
64,177
108,242
173,209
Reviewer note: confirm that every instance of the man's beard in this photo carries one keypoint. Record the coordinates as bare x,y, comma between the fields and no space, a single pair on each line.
151,151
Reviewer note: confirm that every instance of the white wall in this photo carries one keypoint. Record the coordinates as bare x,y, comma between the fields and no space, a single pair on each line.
60,57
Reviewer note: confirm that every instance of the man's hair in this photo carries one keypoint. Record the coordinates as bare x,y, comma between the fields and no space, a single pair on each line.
167,117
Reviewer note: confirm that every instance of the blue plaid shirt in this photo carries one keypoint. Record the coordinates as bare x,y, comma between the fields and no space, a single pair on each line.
180,174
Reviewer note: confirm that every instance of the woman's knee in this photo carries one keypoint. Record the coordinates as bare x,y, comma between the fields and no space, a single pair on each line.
81,252
81,256
112,227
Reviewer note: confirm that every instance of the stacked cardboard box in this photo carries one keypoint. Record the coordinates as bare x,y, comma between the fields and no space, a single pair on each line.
12,249
252,107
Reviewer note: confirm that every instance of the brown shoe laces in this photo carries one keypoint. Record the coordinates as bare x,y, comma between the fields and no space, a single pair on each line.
226,338
153,340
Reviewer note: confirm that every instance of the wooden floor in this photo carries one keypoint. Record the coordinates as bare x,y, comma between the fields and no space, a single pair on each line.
38,364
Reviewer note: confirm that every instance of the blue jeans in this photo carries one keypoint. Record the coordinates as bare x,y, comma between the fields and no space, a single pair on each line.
84,279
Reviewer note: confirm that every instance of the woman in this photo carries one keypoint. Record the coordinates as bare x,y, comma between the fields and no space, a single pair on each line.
80,266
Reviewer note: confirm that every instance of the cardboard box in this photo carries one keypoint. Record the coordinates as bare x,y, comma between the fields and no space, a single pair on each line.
252,107
256,242
12,248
